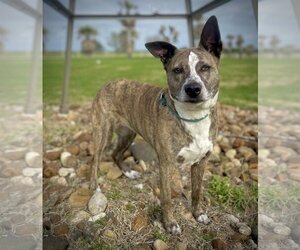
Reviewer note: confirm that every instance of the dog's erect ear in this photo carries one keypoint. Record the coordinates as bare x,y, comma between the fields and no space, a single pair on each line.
165,51
211,37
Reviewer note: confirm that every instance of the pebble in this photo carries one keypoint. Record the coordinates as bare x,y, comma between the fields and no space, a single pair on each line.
231,154
97,217
114,173
33,159
263,153
266,221
295,234
109,234
80,216
15,154
232,220
31,171
53,154
291,245
282,230
27,181
68,160
218,244
63,172
244,229
139,222
160,245
62,181
80,198
139,186
97,203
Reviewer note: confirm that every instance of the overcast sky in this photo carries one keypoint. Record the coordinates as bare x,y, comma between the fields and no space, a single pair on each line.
236,17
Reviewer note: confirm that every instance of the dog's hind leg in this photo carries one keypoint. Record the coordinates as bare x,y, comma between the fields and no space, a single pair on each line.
125,138
102,133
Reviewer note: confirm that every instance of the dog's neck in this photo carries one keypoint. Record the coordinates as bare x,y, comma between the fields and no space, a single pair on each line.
193,110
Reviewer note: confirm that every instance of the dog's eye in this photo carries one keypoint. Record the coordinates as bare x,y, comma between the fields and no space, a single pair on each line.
178,70
205,67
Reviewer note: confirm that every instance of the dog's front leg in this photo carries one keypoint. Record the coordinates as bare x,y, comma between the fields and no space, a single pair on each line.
197,172
165,199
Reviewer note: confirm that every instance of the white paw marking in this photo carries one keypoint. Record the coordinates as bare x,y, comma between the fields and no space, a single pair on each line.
132,174
175,230
203,218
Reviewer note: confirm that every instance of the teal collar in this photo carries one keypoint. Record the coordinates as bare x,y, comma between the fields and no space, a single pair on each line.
164,103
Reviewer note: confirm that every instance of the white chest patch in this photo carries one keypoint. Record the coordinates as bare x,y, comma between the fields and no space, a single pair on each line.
199,131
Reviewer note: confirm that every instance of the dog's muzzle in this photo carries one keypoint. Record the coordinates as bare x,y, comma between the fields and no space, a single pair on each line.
193,89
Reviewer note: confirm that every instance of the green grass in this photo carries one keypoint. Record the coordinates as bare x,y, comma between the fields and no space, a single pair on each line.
229,195
279,82
238,77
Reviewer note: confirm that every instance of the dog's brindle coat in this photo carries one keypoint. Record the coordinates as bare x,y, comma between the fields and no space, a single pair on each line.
130,108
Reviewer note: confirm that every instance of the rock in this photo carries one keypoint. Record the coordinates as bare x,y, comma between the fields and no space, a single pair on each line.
105,167
80,216
82,136
51,169
18,219
294,174
61,230
68,160
14,154
31,171
55,218
254,174
84,171
141,150
26,229
63,172
97,217
218,244
263,153
97,203
203,218
62,181
80,198
214,157
109,234
283,152
181,246
53,154
139,222
54,243
18,243
236,163
160,245
282,230
295,234
11,169
231,154
139,186
266,221
114,173
233,221
83,146
239,237
246,152
244,229
73,149
33,159
27,181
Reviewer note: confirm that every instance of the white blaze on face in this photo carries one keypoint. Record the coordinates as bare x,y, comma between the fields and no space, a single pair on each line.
193,61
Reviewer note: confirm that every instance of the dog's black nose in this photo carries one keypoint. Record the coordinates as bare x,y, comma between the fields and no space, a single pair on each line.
192,89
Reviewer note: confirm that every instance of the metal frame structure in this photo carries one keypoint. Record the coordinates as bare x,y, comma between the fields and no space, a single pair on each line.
71,15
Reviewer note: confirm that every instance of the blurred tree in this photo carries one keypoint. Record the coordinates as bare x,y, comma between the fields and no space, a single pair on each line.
88,45
230,42
128,35
3,33
170,35
239,44
274,42
261,42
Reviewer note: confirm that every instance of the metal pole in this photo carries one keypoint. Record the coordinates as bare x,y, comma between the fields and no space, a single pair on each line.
64,105
255,10
30,105
190,22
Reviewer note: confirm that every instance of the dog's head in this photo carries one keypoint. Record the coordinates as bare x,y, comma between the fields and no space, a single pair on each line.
192,74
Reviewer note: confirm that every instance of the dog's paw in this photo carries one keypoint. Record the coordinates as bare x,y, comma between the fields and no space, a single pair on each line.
203,218
132,174
174,229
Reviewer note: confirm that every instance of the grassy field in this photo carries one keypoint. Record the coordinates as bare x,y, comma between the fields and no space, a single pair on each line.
88,74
